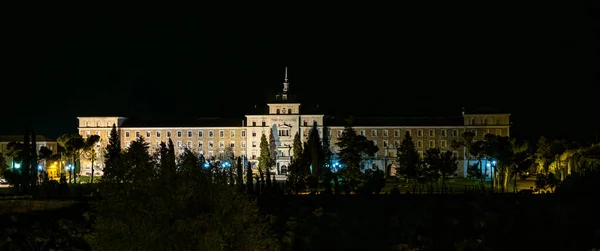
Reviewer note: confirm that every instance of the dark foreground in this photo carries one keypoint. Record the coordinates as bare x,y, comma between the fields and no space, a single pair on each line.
375,222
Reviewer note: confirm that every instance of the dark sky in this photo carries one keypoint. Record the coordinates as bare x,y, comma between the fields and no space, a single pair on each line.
538,62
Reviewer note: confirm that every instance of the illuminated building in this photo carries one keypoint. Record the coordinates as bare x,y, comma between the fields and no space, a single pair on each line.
40,141
211,136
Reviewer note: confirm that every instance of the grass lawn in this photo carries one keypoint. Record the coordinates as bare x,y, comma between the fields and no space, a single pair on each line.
87,179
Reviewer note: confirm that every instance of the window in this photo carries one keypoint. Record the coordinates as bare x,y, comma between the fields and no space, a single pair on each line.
375,142
443,144
189,145
232,144
472,121
211,134
190,134
455,133
221,133
396,143
243,144
431,133
127,143
158,144
168,134
264,123
148,134
499,132
253,143
179,144
289,111
305,123
340,132
396,133
443,132
421,154
419,133
385,133
373,133
200,145
419,143
253,156
211,144
455,154
137,134
362,132
253,134
385,143
253,123
492,121
158,134
200,134
486,131
210,154
179,134
284,133
127,134
277,111
243,133
431,144
409,132
485,121
221,144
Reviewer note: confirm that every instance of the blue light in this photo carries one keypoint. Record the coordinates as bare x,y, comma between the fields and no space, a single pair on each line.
226,164
40,167
69,167
206,164
17,165
494,162
488,165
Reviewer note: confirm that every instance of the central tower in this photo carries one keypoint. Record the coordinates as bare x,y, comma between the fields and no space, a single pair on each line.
284,102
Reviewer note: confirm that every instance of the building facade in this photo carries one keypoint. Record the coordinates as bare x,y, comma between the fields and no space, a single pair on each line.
212,137
40,140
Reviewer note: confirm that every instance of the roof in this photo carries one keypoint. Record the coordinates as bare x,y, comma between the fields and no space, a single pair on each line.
19,138
485,110
182,122
397,121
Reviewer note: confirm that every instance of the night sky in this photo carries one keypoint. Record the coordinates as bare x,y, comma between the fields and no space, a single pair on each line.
539,63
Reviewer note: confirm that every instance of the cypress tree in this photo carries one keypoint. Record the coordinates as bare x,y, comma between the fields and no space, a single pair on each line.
239,173
249,182
34,163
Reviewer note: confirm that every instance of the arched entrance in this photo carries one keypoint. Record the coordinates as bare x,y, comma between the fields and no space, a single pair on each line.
391,170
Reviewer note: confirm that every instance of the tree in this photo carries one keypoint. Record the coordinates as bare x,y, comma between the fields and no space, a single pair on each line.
34,161
314,156
90,148
239,171
352,147
433,161
113,170
327,153
138,161
265,160
465,142
296,173
249,182
408,158
448,166
26,163
202,212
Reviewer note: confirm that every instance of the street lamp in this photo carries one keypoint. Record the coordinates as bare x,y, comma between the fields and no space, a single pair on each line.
17,165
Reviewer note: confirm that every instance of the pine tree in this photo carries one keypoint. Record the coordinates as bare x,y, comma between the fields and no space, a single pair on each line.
295,175
408,158
34,162
249,181
327,154
26,163
112,158
265,160
352,148
240,173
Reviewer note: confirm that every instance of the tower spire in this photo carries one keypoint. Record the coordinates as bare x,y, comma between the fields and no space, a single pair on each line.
286,84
